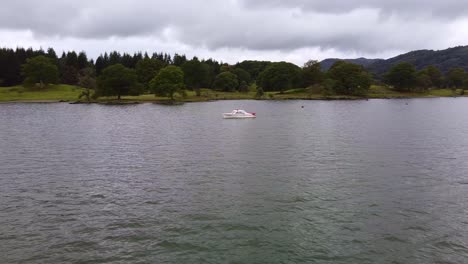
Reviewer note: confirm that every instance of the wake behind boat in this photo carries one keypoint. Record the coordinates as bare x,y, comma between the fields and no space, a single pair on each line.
238,113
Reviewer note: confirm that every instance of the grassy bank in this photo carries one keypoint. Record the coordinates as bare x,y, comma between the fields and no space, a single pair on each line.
55,93
385,92
51,93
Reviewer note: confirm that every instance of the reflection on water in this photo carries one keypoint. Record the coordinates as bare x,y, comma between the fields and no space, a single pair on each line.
379,181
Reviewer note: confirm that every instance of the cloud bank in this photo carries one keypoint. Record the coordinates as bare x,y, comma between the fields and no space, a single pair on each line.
231,30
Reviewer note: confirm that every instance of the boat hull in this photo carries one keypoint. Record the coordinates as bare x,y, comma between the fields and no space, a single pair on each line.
225,116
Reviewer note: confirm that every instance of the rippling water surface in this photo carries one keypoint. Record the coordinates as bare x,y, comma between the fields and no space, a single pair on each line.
379,181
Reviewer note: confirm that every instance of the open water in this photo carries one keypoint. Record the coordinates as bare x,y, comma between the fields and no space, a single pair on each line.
378,181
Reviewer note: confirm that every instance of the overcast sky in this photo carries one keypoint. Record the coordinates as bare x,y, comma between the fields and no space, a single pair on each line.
234,30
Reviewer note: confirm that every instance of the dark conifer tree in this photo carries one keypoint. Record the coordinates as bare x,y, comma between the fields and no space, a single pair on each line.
82,60
52,55
127,61
179,60
115,58
100,64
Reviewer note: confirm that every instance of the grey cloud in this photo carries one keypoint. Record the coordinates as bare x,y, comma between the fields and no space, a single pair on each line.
434,8
84,19
358,30
364,26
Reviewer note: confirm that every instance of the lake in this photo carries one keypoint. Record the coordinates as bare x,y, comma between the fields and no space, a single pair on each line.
378,181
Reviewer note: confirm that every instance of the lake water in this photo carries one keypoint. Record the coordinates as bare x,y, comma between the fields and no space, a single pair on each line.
378,181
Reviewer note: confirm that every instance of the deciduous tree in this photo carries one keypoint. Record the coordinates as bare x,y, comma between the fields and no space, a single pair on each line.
40,70
226,81
349,79
169,81
254,68
456,77
117,80
312,73
87,80
242,75
423,81
280,76
435,75
402,77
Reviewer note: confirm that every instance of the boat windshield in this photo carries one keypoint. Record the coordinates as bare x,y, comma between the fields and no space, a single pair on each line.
241,112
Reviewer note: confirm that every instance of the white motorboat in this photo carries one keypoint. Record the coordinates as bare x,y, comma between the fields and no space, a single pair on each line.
238,113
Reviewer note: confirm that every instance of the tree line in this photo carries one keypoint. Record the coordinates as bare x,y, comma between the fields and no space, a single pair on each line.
404,77
116,74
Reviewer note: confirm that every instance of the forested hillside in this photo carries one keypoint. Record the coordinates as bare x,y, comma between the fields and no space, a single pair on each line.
444,60
326,64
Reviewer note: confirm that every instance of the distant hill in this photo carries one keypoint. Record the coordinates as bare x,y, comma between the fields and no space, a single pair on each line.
442,59
327,63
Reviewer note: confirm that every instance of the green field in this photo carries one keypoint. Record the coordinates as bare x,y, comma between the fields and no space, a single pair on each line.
384,92
51,93
54,93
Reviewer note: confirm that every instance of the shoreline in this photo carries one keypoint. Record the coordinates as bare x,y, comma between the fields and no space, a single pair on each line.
179,102
70,94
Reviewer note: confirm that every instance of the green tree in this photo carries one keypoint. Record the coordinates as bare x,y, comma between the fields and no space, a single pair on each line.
465,85
349,79
259,94
423,81
456,77
69,74
242,75
118,80
328,87
226,81
82,60
87,80
169,81
147,69
312,73
214,69
225,68
40,70
179,60
254,68
243,87
280,76
10,65
402,77
196,75
101,63
52,55
69,68
435,75
71,59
